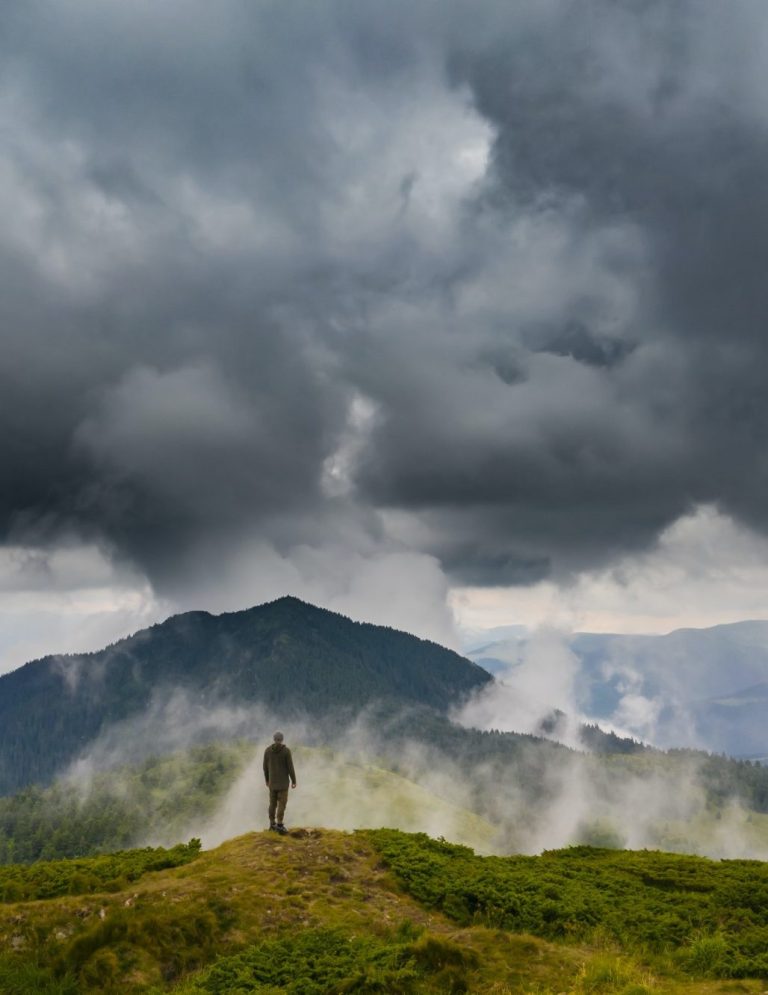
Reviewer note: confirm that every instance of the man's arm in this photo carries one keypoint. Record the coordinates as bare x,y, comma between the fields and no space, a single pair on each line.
266,765
291,771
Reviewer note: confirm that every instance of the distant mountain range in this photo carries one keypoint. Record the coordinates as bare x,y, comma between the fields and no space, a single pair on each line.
704,688
286,655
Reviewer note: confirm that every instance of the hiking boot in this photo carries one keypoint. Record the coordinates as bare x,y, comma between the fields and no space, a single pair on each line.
281,829
273,827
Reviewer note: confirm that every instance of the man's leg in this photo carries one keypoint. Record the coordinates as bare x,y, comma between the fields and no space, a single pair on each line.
282,801
273,799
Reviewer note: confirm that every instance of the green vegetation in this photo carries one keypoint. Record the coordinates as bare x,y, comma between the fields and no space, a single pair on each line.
713,915
324,913
155,800
725,778
320,961
234,912
168,798
109,872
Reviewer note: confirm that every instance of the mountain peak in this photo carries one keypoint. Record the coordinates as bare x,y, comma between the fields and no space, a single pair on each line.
287,656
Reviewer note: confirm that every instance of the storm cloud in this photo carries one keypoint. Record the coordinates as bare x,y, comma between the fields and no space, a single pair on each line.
481,284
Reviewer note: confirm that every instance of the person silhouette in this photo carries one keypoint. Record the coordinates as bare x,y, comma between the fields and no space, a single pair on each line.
278,772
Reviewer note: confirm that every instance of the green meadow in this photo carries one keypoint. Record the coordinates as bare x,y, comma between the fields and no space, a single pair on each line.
320,912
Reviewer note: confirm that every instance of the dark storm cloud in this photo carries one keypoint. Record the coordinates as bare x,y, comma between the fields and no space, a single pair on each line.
638,129
226,225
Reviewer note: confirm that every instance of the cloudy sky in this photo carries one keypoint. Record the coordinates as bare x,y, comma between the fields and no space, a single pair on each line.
437,313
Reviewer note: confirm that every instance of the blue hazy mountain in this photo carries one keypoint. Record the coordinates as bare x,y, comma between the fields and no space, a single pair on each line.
706,688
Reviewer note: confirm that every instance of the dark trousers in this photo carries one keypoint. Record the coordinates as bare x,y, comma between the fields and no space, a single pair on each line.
277,802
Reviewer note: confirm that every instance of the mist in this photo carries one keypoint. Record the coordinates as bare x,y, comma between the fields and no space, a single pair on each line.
534,693
368,773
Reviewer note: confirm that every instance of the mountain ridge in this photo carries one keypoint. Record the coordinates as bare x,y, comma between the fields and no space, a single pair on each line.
678,676
286,655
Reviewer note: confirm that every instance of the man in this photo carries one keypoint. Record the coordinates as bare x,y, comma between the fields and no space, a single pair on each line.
278,770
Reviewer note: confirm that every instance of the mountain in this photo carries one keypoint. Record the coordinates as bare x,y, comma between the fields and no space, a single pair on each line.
374,696
684,678
736,722
698,688
288,656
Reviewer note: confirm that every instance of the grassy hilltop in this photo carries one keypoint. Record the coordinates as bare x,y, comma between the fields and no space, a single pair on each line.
322,912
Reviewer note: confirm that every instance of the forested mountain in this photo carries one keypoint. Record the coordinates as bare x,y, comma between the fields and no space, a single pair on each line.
288,656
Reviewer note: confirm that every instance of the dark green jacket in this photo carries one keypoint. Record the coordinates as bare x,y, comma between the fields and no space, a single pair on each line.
278,767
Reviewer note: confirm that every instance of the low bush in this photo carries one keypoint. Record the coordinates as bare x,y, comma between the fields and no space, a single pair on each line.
321,961
713,915
109,872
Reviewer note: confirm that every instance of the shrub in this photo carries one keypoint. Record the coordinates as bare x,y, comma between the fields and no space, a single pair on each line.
706,955
82,876
320,961
645,901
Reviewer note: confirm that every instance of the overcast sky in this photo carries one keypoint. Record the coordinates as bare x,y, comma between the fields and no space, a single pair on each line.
432,312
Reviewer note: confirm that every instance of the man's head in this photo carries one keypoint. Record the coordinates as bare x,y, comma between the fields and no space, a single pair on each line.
278,737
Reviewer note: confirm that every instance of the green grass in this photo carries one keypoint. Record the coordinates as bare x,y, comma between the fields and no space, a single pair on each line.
109,872
323,912
235,908
711,915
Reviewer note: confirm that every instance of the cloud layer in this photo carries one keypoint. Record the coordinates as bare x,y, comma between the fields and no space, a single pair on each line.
314,285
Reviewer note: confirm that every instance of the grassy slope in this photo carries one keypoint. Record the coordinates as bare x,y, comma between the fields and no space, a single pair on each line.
701,915
307,888
250,889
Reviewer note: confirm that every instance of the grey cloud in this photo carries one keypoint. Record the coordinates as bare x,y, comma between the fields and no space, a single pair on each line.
222,226
577,341
610,117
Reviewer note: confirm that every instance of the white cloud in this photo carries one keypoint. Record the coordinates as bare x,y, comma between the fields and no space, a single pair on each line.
67,600
527,692
704,570
339,467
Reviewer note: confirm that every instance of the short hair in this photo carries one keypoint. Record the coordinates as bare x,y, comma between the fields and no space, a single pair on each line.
278,737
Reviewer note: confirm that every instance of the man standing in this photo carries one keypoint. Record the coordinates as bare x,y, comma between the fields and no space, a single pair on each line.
278,770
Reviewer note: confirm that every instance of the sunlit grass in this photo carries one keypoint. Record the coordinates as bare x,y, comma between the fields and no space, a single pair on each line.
326,904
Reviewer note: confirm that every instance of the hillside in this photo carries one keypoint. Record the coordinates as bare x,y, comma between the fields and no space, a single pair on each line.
287,656
496,793
322,912
214,792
